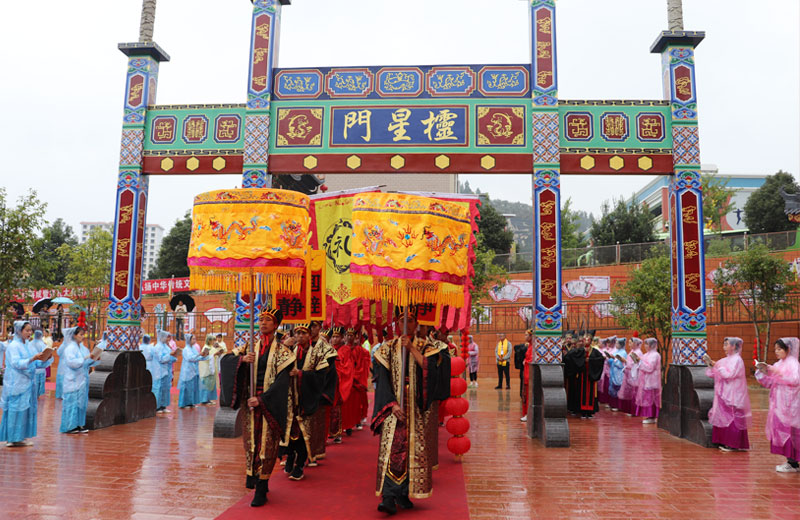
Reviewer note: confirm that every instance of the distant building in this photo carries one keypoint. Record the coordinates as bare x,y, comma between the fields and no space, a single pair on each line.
153,236
656,196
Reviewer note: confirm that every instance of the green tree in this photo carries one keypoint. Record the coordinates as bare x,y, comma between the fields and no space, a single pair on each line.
492,227
18,225
48,269
716,200
759,282
626,224
89,268
572,239
174,250
487,275
643,303
763,212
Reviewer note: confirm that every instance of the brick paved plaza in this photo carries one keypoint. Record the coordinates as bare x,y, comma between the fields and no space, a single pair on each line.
170,467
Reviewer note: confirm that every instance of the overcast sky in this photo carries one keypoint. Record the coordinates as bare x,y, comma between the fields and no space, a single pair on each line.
62,89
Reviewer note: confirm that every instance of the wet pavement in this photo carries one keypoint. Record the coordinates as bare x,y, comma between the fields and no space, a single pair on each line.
170,467
616,468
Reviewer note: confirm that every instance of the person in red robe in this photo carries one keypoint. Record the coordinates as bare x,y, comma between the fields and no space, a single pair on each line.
354,408
526,373
345,375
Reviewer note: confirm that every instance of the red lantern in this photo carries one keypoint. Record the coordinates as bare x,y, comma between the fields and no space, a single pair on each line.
458,445
457,366
457,406
457,387
458,425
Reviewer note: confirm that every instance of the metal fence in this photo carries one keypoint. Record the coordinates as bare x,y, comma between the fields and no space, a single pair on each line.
715,246
197,322
599,315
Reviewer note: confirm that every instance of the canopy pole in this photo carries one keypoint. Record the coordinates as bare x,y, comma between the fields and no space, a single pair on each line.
252,349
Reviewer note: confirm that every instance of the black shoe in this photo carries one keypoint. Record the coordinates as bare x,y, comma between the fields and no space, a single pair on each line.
260,497
405,503
498,387
387,506
289,467
349,432
250,483
297,473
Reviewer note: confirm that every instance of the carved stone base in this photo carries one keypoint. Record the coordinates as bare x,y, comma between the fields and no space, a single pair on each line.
228,422
685,401
120,390
547,405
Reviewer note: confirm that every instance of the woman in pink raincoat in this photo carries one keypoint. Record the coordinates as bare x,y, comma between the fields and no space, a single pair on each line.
648,393
783,419
627,392
730,414
606,347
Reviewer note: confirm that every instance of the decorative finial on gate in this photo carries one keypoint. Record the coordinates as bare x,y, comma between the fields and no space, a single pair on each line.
148,20
675,14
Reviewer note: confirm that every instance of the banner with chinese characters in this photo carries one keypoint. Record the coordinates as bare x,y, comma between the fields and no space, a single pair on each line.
165,285
309,304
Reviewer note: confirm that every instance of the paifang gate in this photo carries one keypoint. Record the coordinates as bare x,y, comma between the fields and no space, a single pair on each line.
427,119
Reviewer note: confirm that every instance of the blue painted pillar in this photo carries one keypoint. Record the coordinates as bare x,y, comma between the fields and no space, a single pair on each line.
125,295
546,184
263,57
688,392
685,197
547,400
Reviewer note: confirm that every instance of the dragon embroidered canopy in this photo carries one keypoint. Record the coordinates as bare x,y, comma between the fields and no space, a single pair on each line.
238,232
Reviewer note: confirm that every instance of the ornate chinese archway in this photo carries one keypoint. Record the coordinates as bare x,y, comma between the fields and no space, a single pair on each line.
431,119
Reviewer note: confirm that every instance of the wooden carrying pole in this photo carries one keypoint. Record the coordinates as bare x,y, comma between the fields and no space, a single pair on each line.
252,349
403,357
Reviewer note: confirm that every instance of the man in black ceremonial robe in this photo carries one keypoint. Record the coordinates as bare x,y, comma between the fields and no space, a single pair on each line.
583,366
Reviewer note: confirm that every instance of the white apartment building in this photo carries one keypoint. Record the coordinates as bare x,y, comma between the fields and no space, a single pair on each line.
153,236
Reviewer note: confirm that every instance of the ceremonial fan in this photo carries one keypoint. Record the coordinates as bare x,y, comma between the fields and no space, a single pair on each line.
409,250
249,241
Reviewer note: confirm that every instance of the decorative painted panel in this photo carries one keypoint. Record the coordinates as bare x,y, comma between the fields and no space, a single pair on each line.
409,82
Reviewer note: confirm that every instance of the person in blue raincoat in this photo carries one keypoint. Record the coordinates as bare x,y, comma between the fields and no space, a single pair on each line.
37,344
19,400
77,361
189,379
59,372
616,373
160,369
146,348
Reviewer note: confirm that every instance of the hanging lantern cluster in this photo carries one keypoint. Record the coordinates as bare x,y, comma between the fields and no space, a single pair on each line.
457,406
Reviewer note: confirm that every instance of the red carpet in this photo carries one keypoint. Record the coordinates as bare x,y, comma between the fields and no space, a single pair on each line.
343,487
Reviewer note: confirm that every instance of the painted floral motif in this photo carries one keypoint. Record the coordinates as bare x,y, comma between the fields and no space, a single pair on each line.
407,236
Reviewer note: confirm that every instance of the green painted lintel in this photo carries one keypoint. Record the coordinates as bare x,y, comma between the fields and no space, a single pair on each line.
682,334
547,333
125,323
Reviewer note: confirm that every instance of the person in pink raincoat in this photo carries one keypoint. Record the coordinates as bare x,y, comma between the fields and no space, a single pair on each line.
627,392
783,419
607,346
648,393
730,414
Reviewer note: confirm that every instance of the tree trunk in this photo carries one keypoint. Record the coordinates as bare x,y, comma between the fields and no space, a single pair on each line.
674,15
758,340
767,342
148,20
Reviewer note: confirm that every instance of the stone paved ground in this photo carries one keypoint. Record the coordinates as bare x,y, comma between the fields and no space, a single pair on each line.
170,468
